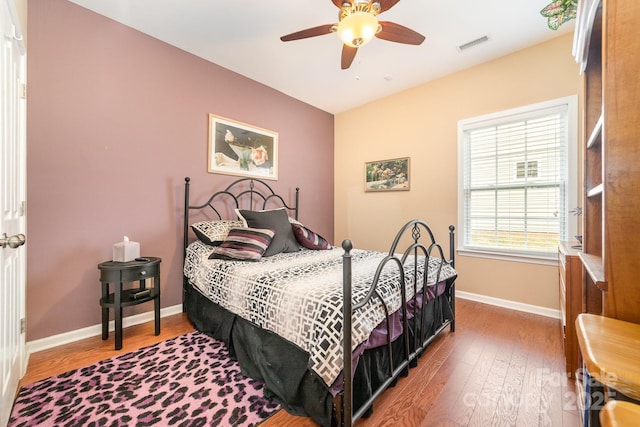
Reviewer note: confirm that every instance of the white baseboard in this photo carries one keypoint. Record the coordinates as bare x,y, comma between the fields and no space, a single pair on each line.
513,305
92,331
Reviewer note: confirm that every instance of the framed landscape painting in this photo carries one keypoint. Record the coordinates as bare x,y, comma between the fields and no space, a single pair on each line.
237,148
387,175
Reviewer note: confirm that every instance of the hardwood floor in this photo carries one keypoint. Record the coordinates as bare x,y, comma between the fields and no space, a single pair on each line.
500,367
58,360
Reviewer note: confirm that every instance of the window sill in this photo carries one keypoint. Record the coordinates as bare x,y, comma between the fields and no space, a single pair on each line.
551,260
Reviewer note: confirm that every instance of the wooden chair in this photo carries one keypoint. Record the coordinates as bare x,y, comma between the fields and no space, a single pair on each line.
617,413
610,351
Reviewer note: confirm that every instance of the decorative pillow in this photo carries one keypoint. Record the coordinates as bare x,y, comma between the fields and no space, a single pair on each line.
308,238
244,244
276,220
294,221
214,232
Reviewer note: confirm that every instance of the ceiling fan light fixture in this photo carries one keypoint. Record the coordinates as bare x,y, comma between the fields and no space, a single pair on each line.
357,28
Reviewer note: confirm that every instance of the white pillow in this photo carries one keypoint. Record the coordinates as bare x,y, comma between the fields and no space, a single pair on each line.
215,232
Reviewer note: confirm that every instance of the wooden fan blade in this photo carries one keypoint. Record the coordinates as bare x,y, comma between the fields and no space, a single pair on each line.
399,34
309,32
338,3
348,53
386,4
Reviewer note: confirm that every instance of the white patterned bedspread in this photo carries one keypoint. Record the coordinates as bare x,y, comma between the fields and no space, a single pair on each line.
299,295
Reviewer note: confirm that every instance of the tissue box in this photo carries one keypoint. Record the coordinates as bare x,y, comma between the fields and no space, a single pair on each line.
126,251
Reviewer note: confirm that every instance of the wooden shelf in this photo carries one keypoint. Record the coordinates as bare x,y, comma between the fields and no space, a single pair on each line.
595,191
593,266
596,134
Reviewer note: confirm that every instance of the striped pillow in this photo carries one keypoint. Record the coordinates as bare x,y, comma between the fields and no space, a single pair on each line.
308,238
244,244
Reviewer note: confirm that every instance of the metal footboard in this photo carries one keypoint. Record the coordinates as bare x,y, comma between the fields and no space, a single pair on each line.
413,346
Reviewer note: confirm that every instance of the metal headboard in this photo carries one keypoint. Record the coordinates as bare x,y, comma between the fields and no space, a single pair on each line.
256,194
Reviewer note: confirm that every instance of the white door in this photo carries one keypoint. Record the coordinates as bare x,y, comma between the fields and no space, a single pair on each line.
12,202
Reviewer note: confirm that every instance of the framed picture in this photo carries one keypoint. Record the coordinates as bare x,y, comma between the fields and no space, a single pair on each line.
387,175
237,148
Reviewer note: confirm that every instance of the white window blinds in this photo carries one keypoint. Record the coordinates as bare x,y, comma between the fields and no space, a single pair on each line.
515,181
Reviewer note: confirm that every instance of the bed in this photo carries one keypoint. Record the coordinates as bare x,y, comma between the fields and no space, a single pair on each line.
289,311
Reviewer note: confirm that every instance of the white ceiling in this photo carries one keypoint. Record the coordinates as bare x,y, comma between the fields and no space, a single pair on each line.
244,36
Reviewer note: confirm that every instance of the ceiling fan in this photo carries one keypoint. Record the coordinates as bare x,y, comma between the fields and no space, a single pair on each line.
357,25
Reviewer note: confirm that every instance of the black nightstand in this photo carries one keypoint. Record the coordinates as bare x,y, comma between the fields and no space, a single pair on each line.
119,273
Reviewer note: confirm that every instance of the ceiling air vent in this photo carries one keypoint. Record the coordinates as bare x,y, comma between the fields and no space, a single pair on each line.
473,43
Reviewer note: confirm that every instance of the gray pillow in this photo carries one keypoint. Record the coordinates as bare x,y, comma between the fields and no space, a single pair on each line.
276,220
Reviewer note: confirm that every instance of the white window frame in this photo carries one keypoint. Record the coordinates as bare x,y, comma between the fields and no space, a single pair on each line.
571,196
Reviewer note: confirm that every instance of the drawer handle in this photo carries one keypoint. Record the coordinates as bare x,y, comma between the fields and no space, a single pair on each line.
143,273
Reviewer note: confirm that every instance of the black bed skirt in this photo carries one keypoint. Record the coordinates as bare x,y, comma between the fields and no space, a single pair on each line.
283,366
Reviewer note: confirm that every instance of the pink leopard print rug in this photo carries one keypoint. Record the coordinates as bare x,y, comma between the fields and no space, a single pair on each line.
186,381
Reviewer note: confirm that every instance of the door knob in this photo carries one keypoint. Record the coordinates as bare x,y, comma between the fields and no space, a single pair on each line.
13,241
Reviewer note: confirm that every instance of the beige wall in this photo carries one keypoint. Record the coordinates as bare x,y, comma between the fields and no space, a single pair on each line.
422,123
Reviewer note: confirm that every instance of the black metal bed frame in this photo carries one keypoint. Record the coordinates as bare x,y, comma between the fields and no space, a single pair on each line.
344,410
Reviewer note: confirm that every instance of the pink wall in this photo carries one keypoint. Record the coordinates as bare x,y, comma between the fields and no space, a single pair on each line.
116,120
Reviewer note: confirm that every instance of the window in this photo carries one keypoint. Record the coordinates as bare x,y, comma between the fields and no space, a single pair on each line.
527,169
517,181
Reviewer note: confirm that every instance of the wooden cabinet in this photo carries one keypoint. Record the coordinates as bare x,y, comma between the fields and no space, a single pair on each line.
570,286
607,44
